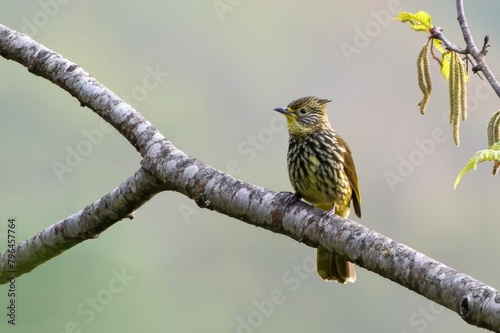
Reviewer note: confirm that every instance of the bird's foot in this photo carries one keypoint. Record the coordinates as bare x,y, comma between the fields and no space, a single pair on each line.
291,200
331,212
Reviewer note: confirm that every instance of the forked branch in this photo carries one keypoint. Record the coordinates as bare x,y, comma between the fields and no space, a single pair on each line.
164,167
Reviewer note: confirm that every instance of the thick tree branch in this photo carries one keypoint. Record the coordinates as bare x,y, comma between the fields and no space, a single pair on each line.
46,63
164,167
86,224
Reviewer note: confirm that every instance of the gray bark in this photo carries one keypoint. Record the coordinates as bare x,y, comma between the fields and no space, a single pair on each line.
165,168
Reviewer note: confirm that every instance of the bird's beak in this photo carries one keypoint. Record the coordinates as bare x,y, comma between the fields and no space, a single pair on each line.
285,111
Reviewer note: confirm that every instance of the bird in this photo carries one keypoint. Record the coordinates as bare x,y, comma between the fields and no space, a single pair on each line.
321,170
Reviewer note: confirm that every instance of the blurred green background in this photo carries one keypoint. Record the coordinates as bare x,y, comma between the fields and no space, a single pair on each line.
229,63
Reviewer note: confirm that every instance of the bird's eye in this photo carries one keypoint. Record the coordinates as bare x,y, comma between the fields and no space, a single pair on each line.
303,110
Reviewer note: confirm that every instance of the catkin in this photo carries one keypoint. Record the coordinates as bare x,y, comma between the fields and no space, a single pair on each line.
463,88
454,90
494,136
424,76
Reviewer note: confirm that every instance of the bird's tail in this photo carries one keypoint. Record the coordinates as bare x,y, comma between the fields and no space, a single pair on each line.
331,267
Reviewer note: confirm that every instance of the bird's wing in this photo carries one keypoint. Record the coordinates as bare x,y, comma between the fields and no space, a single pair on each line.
350,170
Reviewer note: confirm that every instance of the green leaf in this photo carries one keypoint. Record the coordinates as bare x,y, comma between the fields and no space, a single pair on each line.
420,21
445,64
438,44
492,154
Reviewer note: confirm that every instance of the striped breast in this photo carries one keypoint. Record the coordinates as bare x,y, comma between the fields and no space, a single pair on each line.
316,168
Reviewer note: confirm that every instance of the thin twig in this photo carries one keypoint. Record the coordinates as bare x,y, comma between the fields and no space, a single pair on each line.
437,33
473,50
484,50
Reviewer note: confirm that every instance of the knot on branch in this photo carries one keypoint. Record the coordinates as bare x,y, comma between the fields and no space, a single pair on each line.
464,308
202,201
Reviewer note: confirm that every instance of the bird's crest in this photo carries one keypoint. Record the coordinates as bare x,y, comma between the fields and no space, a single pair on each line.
311,101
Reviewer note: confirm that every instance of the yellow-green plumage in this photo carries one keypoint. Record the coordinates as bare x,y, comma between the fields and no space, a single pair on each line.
322,171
